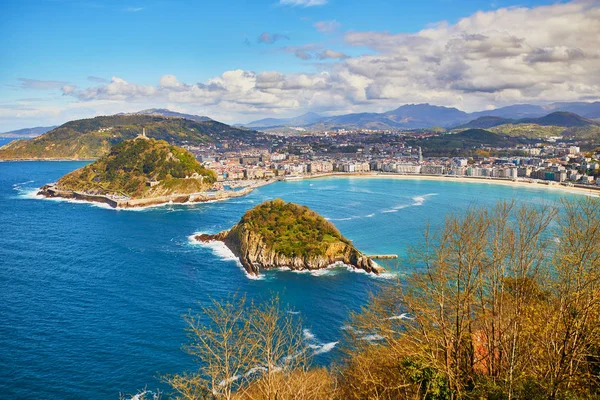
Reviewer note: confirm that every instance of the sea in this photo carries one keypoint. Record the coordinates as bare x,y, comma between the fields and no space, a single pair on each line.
92,299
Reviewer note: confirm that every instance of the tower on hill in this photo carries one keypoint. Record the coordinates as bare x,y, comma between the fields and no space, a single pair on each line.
142,135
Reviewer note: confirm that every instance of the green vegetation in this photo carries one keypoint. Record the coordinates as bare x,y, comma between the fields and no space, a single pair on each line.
290,229
464,143
93,138
130,165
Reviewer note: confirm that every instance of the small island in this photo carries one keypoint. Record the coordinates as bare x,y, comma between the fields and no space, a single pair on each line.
276,234
142,172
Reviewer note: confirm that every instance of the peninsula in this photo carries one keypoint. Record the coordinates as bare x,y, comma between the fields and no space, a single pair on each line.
141,172
276,234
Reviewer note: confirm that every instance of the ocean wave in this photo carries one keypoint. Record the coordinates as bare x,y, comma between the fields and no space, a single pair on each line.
223,252
325,348
308,335
316,345
351,217
32,194
341,219
401,316
417,201
372,338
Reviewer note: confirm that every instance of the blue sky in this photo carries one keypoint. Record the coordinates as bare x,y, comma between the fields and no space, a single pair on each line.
59,57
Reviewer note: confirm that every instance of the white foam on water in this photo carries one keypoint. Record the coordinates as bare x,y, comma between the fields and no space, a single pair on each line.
325,348
401,316
373,337
223,252
317,345
308,335
419,200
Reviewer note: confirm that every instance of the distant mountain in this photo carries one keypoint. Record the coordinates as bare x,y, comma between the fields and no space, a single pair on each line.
410,116
485,123
93,138
299,121
422,116
28,132
586,110
557,118
163,112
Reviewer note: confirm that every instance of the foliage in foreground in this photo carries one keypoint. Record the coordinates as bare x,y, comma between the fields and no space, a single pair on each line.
504,304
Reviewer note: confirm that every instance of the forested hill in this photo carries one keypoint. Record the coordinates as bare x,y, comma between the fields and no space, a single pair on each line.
131,164
92,138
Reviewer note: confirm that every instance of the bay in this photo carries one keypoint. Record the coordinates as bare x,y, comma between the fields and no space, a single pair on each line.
92,298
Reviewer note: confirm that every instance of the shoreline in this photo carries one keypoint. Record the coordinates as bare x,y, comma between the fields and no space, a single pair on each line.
50,191
589,191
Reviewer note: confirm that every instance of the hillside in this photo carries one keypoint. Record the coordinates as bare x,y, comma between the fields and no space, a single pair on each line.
92,138
484,123
130,165
559,118
277,234
163,112
462,143
301,120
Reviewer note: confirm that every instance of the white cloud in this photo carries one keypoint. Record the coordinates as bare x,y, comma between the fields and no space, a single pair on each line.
327,27
269,38
327,54
38,84
496,58
304,3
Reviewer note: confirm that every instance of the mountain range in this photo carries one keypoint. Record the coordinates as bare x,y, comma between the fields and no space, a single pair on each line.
557,118
420,116
93,137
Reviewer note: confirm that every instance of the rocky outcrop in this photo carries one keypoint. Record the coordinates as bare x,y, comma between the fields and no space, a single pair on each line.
255,253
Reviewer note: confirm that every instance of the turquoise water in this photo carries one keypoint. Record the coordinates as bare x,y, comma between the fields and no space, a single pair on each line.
92,298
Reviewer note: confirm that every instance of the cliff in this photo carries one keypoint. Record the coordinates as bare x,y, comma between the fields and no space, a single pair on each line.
134,170
278,234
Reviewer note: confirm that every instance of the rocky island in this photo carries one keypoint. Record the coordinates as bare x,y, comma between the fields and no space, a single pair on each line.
277,234
141,172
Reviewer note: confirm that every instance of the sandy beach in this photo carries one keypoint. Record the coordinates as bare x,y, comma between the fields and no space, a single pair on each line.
589,191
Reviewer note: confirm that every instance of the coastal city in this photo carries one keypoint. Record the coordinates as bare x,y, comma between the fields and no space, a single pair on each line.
552,161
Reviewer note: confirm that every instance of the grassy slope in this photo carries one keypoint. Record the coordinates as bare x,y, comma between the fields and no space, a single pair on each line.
93,138
291,229
130,164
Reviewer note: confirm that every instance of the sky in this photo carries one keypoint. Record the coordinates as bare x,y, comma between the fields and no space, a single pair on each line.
238,61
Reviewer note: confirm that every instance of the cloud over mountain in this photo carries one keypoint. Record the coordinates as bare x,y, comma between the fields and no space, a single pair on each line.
494,58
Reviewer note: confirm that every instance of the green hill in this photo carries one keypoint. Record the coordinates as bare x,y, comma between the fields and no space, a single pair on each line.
460,144
93,138
559,118
277,234
485,123
130,166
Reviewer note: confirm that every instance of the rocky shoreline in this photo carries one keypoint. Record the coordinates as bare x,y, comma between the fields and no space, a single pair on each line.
51,191
254,255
